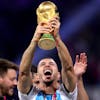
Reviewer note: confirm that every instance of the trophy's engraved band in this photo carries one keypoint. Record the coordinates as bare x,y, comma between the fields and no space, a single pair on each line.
47,42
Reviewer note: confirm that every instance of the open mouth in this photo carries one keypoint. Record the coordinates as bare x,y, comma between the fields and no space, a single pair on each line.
47,72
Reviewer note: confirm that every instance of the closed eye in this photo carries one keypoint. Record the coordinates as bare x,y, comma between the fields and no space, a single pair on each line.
51,63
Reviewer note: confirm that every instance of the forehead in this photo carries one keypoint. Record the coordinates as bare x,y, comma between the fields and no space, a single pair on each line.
47,60
11,73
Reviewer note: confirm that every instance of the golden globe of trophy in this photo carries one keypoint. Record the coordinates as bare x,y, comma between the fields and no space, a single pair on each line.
45,12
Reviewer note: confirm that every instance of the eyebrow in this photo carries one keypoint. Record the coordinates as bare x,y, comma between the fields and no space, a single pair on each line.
51,62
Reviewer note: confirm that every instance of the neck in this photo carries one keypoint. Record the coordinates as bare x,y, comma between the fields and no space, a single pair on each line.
51,88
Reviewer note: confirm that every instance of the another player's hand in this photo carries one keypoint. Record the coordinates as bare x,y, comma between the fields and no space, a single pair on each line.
80,65
37,82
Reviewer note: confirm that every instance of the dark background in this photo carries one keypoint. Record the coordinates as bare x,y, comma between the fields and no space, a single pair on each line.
80,31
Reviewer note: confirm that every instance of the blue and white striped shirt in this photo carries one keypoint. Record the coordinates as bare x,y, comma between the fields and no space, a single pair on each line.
64,95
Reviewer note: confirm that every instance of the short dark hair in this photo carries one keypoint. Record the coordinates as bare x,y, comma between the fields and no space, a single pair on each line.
33,69
5,65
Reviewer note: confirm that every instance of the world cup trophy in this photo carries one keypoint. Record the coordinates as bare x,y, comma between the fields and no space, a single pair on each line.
45,11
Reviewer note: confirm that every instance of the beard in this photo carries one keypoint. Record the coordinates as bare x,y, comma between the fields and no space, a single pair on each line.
48,83
7,91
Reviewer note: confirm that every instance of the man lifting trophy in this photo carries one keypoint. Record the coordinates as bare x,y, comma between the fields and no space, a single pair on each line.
45,12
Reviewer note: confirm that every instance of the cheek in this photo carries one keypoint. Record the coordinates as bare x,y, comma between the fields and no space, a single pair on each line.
5,86
40,70
55,69
8,82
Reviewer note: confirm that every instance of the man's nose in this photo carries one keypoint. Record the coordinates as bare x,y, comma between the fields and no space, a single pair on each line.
47,65
15,82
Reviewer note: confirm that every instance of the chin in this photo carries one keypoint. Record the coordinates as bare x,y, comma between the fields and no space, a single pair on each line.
10,93
48,81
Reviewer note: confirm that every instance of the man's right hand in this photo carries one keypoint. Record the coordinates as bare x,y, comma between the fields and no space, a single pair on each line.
41,28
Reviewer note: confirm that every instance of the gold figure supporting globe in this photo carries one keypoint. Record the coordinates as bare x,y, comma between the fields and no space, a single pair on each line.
45,12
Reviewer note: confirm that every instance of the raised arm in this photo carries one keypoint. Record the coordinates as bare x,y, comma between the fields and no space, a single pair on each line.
24,80
80,67
68,76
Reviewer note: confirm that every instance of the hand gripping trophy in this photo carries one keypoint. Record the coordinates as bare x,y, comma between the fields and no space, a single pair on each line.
45,12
